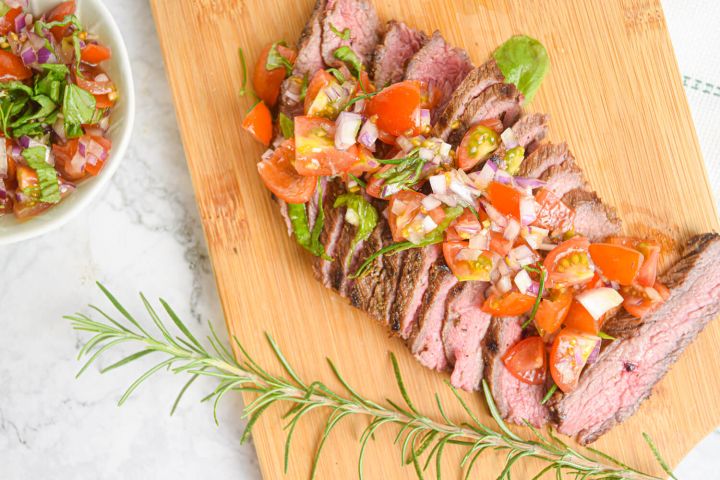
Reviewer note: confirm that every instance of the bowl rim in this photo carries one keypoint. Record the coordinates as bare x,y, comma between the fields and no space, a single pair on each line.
119,145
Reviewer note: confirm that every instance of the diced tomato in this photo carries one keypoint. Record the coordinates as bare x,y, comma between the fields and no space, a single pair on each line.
467,225
319,81
478,144
651,257
366,162
580,319
266,83
569,263
27,206
12,67
395,107
258,122
402,209
315,152
467,269
595,282
638,300
63,157
569,354
499,244
553,213
617,263
375,184
58,14
94,80
7,22
510,304
281,178
505,199
103,101
106,145
527,361
552,311
93,53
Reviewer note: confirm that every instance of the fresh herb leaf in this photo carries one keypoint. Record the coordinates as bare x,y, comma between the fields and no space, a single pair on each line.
337,74
52,82
360,97
243,72
4,8
78,108
347,55
357,180
367,215
549,394
287,126
49,189
303,87
605,336
275,60
406,171
307,238
524,62
345,34
543,275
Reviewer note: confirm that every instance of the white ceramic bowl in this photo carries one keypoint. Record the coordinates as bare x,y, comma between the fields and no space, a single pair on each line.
97,19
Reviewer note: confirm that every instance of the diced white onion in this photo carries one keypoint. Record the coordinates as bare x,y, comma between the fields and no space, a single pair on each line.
483,178
522,255
368,135
504,285
445,149
462,191
428,224
449,200
3,159
351,217
404,143
528,210
468,254
348,125
398,207
599,301
426,154
509,139
512,230
438,183
523,281
430,202
479,241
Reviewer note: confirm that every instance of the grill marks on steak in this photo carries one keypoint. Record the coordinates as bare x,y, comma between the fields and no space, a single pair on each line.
473,85
593,218
516,401
332,228
463,331
547,155
613,387
426,339
566,176
393,53
309,58
441,66
360,17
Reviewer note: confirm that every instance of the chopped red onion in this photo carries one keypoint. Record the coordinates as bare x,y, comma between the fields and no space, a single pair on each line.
426,154
480,241
534,288
509,139
24,141
595,353
523,255
468,254
504,285
429,224
438,183
423,118
523,281
389,190
430,202
368,135
28,56
512,230
528,210
46,56
348,125
532,183
503,177
21,22
268,154
495,217
359,106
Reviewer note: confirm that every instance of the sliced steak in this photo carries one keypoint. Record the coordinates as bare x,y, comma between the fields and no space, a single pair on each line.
547,155
411,288
426,339
613,388
387,282
332,228
463,331
516,401
362,289
339,268
473,85
529,131
357,16
393,53
501,100
593,218
441,66
564,177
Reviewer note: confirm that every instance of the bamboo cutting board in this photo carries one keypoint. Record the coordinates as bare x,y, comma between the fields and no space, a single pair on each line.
614,94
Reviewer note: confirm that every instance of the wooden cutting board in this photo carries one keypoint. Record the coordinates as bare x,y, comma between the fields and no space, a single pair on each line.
614,94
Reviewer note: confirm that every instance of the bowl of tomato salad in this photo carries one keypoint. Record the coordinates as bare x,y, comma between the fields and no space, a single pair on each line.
66,111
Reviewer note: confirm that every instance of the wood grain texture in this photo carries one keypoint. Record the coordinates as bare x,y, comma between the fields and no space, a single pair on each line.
614,94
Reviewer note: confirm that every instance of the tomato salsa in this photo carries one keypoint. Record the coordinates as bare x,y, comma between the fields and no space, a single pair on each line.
55,105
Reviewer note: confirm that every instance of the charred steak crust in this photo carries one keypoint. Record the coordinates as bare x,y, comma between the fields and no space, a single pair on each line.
384,293
612,389
309,59
392,54
332,228
358,16
547,155
562,178
362,290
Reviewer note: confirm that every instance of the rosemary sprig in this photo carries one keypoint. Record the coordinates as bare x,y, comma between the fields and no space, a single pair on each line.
423,438
543,275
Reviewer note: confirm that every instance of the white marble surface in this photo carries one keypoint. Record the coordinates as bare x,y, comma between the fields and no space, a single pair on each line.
144,234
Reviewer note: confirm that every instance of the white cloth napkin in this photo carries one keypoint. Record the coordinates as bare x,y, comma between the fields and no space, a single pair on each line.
695,34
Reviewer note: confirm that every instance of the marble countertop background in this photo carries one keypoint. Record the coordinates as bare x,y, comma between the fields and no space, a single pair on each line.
144,234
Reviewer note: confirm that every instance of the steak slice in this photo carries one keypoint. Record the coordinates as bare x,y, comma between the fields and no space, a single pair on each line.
612,388
593,218
387,281
516,401
339,268
547,155
463,331
562,178
393,53
529,131
473,85
357,16
501,100
411,288
426,339
332,228
441,67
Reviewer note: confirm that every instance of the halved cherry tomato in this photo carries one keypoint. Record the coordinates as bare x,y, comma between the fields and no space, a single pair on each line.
258,122
651,257
12,67
509,304
58,14
319,81
467,225
366,162
375,184
640,300
281,178
395,107
7,22
94,80
106,144
466,270
499,244
315,152
553,213
266,83
93,53
569,354
505,199
103,101
617,263
403,207
552,311
527,361
569,263
478,144
580,319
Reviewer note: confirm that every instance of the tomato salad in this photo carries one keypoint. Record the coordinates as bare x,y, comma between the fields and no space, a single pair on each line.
55,105
494,226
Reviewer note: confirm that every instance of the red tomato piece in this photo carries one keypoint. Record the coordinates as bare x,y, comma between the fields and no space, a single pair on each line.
395,107
93,79
12,67
7,22
281,178
63,156
266,83
527,361
651,257
499,244
553,213
638,300
315,152
58,14
258,122
465,270
106,144
104,101
402,209
616,262
320,80
510,304
505,199
467,225
569,354
569,263
552,311
477,145
580,319
93,54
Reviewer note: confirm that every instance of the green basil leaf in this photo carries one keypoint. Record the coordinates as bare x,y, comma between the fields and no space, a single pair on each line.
367,215
524,62
52,83
49,189
299,222
307,238
345,34
347,55
275,60
287,126
45,107
337,74
78,108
